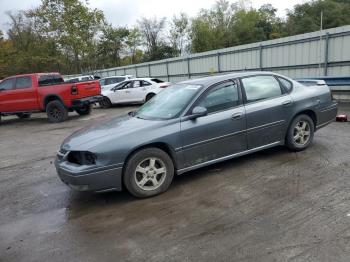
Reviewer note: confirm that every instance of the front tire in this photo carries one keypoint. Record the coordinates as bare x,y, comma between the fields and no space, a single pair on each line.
56,112
300,133
86,110
106,103
148,172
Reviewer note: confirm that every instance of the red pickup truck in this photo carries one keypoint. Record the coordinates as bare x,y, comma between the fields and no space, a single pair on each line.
46,92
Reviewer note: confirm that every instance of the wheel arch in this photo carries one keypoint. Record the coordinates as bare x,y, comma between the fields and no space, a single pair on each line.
309,113
50,98
152,94
160,145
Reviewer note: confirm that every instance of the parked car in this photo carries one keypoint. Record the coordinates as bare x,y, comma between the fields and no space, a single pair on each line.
111,81
138,90
190,125
80,79
22,95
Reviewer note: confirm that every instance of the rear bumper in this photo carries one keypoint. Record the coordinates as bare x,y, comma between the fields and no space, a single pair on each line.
82,102
107,179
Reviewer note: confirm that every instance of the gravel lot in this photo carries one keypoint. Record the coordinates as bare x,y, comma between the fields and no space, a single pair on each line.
269,206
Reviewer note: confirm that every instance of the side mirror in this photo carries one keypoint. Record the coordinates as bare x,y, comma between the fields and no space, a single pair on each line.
199,111
2,89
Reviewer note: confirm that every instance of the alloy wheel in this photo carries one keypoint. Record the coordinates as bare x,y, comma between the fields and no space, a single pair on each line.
150,173
55,113
301,134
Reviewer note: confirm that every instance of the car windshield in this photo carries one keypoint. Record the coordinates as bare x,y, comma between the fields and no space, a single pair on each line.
168,103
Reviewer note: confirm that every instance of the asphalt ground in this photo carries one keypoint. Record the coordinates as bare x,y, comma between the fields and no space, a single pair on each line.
273,205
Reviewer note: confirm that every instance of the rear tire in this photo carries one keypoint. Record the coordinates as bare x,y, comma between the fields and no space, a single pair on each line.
148,172
56,112
300,133
23,115
86,110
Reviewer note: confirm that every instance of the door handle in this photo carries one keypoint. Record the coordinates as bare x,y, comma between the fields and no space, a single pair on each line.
288,102
237,116
127,91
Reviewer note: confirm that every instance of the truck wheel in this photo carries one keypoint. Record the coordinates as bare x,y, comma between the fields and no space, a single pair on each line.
300,133
84,110
23,115
56,112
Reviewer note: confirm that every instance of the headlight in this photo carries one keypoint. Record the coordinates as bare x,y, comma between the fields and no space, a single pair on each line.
82,158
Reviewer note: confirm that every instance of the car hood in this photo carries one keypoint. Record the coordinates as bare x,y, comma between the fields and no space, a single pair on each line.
116,128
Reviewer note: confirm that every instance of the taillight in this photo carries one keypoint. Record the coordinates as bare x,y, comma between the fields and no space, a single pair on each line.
74,90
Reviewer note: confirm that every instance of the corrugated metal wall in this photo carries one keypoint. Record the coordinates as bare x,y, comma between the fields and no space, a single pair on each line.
306,55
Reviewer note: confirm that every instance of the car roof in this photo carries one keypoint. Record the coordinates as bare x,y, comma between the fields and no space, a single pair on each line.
143,78
115,77
209,80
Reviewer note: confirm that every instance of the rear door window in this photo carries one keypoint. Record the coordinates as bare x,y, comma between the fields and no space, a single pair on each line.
137,83
261,87
145,83
23,82
7,84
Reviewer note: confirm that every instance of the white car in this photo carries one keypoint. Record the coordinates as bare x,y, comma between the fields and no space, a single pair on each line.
80,79
138,90
111,81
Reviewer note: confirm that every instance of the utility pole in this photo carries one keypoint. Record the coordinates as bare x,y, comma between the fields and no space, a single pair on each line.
320,55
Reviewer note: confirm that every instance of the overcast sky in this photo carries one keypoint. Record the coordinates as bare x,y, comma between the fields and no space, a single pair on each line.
126,12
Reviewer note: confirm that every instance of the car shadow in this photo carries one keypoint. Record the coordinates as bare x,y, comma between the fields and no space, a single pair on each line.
81,203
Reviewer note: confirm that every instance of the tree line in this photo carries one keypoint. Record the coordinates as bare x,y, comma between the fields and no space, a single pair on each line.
70,37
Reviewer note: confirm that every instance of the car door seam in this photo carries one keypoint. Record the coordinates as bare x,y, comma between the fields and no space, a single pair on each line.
266,125
212,139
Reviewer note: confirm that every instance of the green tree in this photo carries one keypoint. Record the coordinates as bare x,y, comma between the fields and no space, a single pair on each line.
133,42
152,33
111,45
307,17
211,29
32,52
73,25
179,36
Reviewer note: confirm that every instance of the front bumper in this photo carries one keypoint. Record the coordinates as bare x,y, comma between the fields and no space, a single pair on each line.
82,102
100,179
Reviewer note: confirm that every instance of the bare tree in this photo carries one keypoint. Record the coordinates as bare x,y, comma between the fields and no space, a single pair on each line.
151,30
179,35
